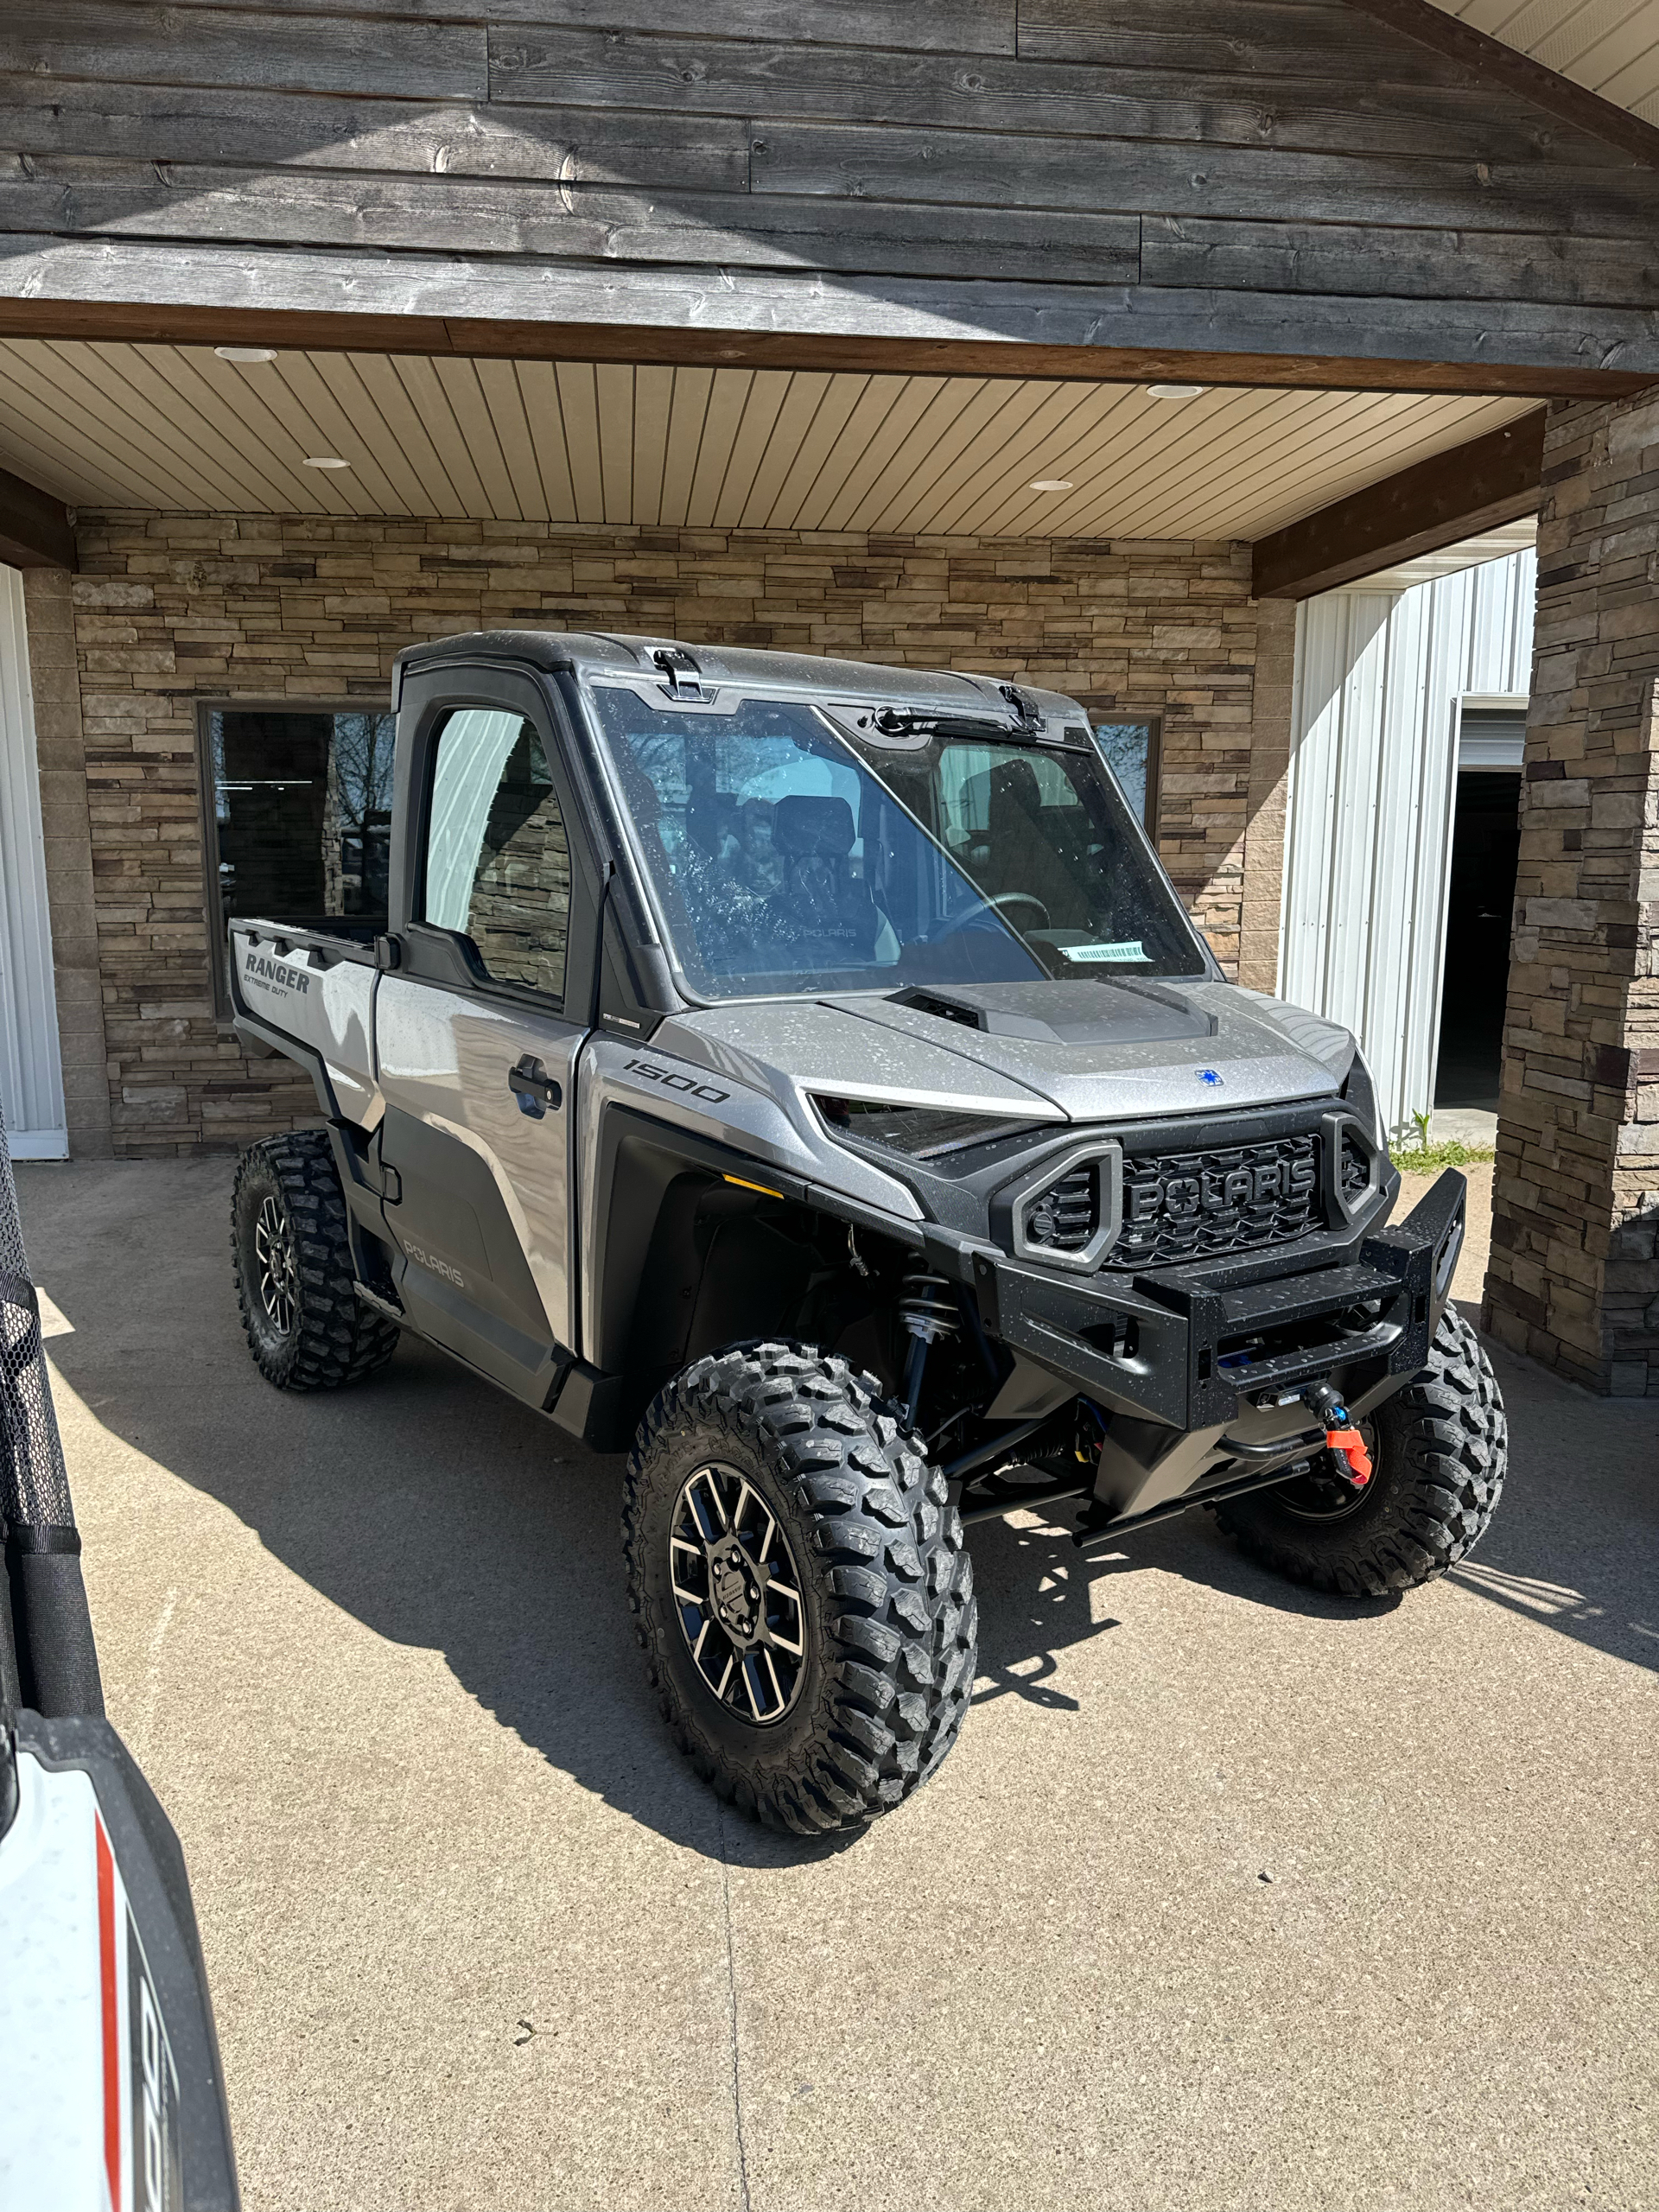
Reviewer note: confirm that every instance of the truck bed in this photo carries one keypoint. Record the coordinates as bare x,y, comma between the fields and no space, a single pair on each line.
312,983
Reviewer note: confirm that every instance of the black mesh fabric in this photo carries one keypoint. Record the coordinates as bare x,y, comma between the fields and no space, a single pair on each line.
34,1486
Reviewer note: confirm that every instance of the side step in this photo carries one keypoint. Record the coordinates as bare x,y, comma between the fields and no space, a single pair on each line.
390,1307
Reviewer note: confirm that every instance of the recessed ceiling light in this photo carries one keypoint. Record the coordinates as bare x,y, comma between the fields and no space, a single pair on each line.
1177,390
1052,484
325,460
245,354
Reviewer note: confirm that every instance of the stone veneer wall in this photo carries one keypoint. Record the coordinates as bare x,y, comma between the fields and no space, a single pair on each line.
174,608
1574,1279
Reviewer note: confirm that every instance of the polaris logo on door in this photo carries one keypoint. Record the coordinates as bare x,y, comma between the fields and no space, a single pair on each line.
434,1266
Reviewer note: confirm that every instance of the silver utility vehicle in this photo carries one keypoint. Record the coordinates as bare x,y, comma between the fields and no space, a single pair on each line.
802,1076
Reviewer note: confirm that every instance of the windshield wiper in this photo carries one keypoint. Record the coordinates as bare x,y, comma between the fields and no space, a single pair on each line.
912,722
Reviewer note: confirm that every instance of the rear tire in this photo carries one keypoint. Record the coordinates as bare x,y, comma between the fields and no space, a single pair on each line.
1441,1450
884,1617
306,1326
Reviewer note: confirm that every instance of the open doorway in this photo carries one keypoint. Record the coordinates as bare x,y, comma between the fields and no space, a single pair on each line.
1480,901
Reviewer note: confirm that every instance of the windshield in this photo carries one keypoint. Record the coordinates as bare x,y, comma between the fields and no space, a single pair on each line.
786,858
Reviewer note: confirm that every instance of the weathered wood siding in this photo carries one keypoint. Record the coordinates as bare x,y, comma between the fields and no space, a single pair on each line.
1228,177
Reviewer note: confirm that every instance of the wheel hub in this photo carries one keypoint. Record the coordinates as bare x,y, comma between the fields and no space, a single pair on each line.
738,1594
736,1589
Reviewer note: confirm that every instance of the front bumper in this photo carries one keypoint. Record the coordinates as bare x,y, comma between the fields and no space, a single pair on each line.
1189,1352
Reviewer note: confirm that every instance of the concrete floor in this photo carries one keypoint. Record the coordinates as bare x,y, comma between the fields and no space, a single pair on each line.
1231,1897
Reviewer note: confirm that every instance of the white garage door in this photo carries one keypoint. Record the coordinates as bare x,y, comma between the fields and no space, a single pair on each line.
31,1074
1374,756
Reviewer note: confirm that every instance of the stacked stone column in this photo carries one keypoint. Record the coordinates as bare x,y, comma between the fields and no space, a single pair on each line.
1574,1279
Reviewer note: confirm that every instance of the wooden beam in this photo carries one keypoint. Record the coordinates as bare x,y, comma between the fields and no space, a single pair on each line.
1502,67
366,332
1458,494
35,532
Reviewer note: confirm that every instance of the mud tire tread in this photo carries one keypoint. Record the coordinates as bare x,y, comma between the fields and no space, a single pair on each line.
873,1520
339,1339
1444,1445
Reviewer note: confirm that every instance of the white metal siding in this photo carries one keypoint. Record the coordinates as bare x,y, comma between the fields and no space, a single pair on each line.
1372,786
31,1074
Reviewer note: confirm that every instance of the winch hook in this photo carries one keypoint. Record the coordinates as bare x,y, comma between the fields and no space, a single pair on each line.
1341,1436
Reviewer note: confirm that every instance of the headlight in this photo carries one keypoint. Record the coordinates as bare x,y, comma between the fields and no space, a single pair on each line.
914,1132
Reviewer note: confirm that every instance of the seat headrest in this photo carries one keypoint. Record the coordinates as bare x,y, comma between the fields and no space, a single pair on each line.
1016,780
803,827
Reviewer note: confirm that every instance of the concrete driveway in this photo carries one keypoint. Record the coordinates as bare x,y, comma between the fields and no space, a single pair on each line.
1230,1896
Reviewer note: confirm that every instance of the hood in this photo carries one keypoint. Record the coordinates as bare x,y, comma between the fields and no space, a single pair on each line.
1083,1050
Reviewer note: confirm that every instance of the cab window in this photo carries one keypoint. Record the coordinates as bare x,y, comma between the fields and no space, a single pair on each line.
497,858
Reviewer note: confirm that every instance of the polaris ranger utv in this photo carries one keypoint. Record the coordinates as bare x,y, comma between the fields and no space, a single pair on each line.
803,1075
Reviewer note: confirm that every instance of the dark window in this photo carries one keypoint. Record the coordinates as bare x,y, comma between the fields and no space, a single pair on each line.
299,816
498,864
1130,751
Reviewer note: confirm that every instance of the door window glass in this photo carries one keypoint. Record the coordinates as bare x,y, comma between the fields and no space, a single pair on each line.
303,812
301,816
497,863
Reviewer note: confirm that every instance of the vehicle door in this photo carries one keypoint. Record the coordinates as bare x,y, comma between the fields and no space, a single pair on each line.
478,1028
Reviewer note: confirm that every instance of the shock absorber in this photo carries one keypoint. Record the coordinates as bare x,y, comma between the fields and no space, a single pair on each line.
927,1306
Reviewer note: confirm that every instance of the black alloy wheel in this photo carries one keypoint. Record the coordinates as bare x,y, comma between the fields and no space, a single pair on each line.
295,1279
739,1594
799,1586
277,1278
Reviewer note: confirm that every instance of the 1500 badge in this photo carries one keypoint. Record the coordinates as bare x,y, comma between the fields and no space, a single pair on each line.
671,1080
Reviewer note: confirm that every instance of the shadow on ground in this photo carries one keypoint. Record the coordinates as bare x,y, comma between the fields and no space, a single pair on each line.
444,1515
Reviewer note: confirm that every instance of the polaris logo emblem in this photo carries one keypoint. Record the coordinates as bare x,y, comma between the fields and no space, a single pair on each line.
1268,1182
1211,1077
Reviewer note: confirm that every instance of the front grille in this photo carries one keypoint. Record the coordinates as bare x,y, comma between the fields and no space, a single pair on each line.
1196,1205
1067,1213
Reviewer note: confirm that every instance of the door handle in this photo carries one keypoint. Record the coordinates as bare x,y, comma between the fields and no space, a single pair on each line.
534,1089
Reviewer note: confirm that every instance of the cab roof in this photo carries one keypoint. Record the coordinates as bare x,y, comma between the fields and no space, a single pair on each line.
594,652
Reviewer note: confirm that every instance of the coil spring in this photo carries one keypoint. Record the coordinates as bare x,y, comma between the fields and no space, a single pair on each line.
927,1307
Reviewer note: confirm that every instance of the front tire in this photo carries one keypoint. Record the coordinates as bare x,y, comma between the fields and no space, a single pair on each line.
1441,1448
799,1585
306,1326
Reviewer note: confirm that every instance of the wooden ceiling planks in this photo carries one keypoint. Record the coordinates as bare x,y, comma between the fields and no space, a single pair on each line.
654,444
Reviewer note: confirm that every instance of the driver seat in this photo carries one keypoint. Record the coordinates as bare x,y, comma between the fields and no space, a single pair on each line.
1023,856
815,837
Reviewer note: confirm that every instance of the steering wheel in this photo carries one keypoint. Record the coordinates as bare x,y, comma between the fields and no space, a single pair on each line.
1024,898
996,900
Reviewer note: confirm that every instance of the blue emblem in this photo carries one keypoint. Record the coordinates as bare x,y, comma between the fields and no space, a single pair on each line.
1209,1076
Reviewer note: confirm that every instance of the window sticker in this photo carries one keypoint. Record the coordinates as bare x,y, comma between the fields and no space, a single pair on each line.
1130,949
